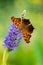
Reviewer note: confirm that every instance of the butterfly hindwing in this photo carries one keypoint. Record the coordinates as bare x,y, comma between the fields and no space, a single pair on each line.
26,35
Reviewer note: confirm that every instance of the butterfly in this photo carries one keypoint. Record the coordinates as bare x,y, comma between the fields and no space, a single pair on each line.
25,26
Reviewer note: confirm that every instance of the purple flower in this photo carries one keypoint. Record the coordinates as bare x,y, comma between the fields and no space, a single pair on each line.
13,39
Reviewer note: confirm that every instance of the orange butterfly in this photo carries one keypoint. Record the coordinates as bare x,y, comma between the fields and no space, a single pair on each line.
25,26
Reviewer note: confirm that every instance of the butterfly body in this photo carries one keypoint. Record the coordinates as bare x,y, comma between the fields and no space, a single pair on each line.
25,26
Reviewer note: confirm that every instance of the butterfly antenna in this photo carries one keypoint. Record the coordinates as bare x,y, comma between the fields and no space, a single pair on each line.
23,14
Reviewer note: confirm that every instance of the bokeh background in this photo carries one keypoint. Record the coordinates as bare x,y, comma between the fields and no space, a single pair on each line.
27,54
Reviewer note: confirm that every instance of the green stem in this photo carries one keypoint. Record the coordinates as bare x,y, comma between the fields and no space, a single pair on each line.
5,57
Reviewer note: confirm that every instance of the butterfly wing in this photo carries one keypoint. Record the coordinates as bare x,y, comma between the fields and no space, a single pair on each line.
17,22
25,26
26,35
27,31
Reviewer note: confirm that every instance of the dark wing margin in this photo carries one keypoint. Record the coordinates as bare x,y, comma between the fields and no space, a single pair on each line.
26,21
30,28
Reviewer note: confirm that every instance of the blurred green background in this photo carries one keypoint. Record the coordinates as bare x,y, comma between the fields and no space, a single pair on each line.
27,54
